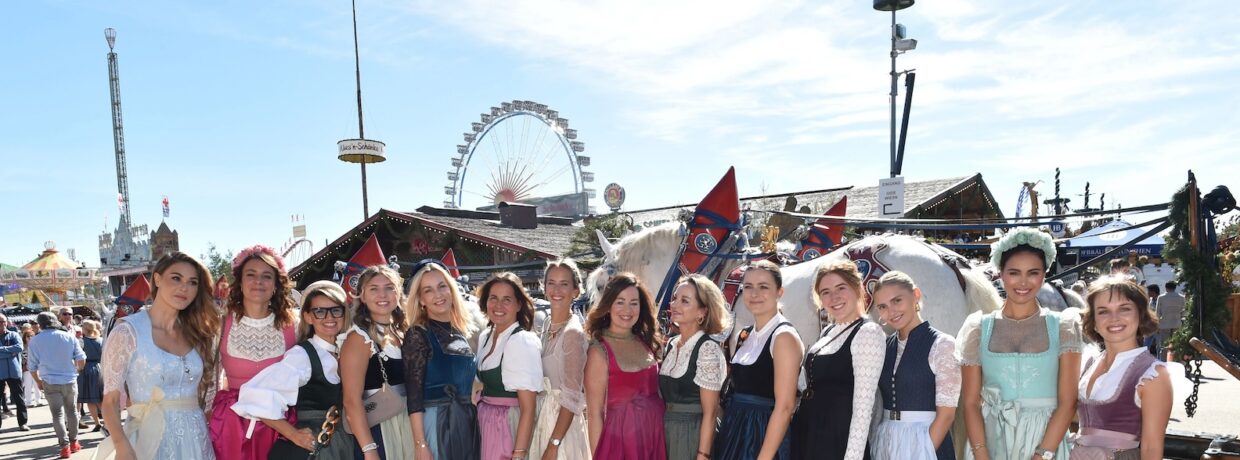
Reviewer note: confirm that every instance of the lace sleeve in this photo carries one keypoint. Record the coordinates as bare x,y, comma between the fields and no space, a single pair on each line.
1070,331
117,350
573,343
416,352
969,341
946,372
521,366
869,349
710,366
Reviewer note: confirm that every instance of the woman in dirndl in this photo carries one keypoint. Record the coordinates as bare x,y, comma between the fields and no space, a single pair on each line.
509,367
1125,393
756,419
371,366
90,380
693,368
439,366
622,374
560,432
920,381
307,379
259,327
159,366
1020,364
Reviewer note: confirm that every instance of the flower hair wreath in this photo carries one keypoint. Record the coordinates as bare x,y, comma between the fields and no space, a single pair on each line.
1026,236
255,250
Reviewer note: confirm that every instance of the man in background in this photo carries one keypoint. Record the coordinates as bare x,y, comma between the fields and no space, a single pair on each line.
56,356
1170,311
11,373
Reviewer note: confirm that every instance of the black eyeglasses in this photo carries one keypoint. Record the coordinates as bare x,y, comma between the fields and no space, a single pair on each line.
320,313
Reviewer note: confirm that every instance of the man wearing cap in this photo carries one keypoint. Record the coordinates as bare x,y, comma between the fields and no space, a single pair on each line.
56,356
11,371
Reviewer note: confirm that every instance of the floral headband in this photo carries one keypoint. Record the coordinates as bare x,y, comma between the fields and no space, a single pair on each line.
257,250
1026,236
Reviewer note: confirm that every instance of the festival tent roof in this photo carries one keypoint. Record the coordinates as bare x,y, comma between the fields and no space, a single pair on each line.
1097,241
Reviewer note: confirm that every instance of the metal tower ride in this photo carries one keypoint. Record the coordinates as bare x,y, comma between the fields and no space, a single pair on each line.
118,129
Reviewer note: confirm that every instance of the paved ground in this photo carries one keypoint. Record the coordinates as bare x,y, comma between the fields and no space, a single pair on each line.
1219,404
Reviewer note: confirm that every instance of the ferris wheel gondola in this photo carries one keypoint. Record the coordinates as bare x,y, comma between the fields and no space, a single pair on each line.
520,151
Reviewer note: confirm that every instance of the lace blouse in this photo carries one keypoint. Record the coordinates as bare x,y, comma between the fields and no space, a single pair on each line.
1027,335
945,367
269,394
255,339
1108,383
417,353
711,368
520,354
564,362
869,349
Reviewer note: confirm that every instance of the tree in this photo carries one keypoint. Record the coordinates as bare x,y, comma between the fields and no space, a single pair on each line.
612,225
220,265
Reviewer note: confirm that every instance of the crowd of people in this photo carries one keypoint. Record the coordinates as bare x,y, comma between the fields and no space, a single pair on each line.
381,373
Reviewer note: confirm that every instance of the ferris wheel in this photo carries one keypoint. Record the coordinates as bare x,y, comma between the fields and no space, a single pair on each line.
521,151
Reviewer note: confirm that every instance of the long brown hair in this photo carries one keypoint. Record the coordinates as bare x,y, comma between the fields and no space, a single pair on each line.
281,303
525,317
199,322
361,313
599,319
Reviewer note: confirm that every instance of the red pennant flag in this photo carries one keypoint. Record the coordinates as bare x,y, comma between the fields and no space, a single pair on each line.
824,233
449,259
711,223
134,298
370,254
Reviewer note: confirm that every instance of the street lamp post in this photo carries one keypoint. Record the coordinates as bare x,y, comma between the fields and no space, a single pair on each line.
899,44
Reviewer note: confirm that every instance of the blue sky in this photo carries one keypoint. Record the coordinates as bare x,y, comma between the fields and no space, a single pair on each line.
232,109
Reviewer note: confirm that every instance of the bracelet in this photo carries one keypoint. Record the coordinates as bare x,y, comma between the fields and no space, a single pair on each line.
370,447
703,454
978,445
419,444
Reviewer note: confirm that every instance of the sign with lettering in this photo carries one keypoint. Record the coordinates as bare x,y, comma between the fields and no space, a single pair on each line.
361,151
891,197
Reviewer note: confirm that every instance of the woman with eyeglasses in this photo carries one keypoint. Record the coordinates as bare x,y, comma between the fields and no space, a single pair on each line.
307,379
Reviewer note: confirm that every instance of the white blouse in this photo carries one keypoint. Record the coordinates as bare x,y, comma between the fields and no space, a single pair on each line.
749,351
390,349
269,394
945,367
519,353
1107,384
710,362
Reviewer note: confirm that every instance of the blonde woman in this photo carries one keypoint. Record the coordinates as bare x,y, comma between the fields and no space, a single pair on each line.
561,432
307,379
90,381
439,367
693,368
371,362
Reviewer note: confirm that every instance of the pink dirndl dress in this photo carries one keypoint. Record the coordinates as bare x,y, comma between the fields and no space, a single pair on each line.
228,430
633,422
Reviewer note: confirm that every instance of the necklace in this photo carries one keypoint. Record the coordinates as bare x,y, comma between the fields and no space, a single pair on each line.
1005,314
550,330
611,335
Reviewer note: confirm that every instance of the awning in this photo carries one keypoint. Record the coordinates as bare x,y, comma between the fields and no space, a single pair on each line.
1102,239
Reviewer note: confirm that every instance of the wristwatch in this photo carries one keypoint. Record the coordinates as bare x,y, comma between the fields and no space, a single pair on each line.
1045,454
555,442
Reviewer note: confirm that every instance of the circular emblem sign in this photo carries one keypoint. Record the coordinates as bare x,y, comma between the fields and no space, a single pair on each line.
613,196
705,243
811,254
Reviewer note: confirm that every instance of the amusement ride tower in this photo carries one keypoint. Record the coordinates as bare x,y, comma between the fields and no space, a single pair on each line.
118,128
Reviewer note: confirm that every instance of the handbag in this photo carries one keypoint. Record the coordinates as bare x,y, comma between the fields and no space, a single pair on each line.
1080,452
382,404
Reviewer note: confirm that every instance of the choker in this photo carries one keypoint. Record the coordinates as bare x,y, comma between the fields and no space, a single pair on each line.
609,335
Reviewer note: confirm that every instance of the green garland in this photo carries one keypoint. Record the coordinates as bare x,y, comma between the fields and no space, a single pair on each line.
1194,266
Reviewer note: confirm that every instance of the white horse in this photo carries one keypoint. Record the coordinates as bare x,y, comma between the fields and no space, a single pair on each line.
949,294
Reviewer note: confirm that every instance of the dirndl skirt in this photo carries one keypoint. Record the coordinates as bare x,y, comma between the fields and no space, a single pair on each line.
633,430
451,428
682,427
576,442
909,438
339,447
497,425
744,427
90,384
1014,428
229,431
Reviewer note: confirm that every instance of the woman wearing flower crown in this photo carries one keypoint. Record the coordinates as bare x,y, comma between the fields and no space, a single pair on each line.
371,362
1020,364
258,328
